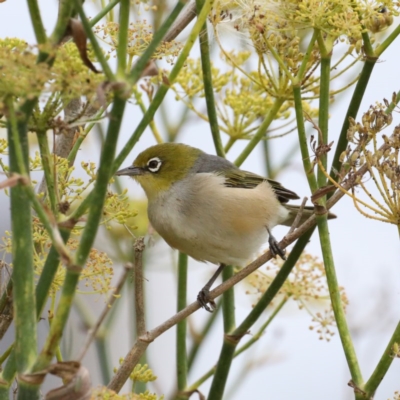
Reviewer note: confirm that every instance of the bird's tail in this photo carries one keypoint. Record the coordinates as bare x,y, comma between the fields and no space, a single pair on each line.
307,212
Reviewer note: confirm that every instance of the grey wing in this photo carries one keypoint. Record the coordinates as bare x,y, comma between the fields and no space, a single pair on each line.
237,178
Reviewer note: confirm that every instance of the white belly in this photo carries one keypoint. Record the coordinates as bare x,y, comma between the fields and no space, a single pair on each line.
210,222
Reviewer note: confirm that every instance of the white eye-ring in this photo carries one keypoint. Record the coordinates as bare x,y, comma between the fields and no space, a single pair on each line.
154,164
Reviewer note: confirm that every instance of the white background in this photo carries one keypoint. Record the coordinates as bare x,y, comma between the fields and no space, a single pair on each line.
294,363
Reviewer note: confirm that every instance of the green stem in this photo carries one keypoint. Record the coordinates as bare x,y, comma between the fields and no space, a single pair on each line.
260,132
208,86
261,331
226,355
307,55
352,111
248,344
7,293
123,37
393,105
88,235
95,44
48,170
6,354
228,301
383,365
82,136
22,248
103,12
229,144
181,353
157,38
198,338
323,114
308,166
64,15
37,23
388,41
336,300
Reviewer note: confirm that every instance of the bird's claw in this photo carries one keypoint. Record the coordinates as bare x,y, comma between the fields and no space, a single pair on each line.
205,300
275,249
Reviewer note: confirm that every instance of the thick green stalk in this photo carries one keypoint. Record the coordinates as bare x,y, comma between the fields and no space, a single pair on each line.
141,64
88,235
37,23
122,37
208,86
228,301
323,113
22,246
47,168
352,111
103,12
228,313
260,132
383,365
308,166
95,44
336,300
181,353
233,338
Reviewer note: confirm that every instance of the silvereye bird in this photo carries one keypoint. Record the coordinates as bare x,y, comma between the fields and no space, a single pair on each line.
206,207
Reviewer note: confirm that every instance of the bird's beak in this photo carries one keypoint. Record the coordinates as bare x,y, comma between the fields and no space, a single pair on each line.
131,171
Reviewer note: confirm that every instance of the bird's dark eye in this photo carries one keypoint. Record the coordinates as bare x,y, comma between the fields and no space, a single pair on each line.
154,164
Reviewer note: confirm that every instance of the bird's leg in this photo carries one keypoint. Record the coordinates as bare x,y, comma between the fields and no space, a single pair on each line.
204,295
274,246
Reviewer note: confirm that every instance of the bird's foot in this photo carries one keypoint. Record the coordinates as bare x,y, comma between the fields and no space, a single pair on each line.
205,300
275,249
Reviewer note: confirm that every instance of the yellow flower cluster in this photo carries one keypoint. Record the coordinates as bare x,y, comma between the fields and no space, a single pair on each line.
23,78
140,34
242,101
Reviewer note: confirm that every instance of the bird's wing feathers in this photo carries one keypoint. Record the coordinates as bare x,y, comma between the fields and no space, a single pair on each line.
237,178
248,180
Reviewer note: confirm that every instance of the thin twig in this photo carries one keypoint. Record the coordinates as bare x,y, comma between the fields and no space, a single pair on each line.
298,216
115,295
184,19
139,294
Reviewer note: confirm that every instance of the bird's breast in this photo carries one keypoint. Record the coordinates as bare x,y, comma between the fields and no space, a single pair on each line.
211,222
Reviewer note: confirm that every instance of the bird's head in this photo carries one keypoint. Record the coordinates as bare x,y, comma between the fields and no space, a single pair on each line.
160,166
